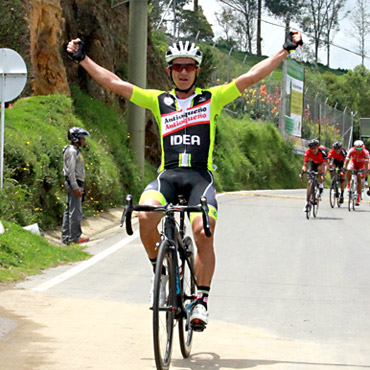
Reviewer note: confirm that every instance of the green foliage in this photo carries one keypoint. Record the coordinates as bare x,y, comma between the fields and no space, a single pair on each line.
36,131
207,67
190,23
13,25
252,155
108,127
23,253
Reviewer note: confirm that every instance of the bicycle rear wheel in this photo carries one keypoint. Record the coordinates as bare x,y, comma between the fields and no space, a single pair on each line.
187,296
163,312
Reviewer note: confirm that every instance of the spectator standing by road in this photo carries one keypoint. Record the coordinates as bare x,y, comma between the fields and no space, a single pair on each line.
74,172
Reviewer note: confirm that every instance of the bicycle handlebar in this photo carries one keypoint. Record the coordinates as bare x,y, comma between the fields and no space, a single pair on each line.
167,208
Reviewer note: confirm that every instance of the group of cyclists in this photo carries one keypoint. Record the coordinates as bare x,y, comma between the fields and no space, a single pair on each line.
357,158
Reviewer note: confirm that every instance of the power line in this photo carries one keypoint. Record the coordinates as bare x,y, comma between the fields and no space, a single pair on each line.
330,42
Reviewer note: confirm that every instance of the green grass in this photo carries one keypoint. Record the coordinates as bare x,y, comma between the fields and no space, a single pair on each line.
23,253
252,155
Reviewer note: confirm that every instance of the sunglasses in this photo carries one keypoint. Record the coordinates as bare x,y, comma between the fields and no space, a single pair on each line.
357,148
187,67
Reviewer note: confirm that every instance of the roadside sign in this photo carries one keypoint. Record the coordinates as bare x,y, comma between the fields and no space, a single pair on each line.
13,78
365,127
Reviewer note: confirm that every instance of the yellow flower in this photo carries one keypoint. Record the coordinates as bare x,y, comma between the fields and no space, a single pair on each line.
27,143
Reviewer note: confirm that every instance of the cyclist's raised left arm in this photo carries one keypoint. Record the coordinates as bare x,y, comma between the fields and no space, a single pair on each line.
262,69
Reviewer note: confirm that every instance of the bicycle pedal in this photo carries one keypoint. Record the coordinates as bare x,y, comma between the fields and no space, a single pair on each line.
197,325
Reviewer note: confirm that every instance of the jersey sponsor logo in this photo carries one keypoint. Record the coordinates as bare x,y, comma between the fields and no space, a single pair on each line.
168,100
185,139
176,121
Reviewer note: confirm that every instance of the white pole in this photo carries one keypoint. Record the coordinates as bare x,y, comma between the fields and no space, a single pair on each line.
2,140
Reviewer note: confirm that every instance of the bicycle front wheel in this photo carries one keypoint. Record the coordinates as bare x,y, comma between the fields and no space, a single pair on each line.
315,200
164,301
332,192
187,284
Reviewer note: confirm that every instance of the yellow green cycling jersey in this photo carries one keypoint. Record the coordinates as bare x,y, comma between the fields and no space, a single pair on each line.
187,137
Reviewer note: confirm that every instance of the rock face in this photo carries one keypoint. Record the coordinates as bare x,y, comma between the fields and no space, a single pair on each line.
40,29
46,25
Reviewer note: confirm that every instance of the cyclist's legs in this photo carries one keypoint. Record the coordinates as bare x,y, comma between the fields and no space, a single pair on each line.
332,166
313,167
154,194
339,165
321,171
202,184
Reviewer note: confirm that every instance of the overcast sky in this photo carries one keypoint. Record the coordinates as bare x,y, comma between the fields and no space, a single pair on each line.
273,37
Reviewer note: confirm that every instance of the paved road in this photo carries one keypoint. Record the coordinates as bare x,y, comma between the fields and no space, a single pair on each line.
288,293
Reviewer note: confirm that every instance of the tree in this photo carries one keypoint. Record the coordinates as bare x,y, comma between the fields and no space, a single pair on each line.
332,22
361,24
248,12
314,21
163,12
190,23
226,20
285,9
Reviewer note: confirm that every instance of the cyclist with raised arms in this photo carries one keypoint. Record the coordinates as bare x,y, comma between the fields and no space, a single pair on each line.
336,158
186,117
358,158
319,159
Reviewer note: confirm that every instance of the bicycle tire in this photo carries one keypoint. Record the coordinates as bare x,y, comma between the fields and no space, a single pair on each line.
187,284
353,190
310,201
164,317
337,191
315,199
332,192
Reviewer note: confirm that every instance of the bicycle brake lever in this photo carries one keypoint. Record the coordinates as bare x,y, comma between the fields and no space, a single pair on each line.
126,215
206,226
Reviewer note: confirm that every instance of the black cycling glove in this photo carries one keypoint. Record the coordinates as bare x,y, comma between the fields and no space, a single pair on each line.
289,44
80,54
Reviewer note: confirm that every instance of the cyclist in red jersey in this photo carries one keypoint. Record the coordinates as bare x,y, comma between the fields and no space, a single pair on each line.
358,158
319,160
336,158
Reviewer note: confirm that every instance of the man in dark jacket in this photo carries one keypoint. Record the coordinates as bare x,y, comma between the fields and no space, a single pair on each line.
74,172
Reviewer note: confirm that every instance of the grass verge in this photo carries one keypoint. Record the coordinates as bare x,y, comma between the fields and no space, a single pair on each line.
23,253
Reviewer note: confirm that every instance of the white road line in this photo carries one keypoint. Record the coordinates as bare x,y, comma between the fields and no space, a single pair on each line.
86,264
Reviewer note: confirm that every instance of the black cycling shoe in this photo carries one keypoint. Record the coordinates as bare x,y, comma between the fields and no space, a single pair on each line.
341,199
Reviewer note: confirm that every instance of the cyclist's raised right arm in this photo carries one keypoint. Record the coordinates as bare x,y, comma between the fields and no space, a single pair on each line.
107,79
102,76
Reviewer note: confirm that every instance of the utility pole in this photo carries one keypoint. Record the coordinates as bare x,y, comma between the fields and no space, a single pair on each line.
137,59
283,100
259,16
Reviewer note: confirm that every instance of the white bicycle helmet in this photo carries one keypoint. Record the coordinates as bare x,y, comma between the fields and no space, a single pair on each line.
359,143
182,49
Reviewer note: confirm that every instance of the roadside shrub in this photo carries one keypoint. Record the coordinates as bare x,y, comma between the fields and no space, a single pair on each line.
36,132
252,155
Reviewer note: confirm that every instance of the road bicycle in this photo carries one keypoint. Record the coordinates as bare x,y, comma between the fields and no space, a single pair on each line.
352,192
176,260
335,183
314,194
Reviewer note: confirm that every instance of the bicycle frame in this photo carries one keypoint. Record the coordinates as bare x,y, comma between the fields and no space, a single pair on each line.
353,189
312,197
174,246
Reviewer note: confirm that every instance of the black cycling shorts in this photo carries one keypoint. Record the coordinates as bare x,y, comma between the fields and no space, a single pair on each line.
191,183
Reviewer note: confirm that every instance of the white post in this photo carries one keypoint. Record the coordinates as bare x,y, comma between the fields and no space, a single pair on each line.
2,141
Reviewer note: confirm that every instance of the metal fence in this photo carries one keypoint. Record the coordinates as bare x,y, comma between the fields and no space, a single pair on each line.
325,122
320,120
